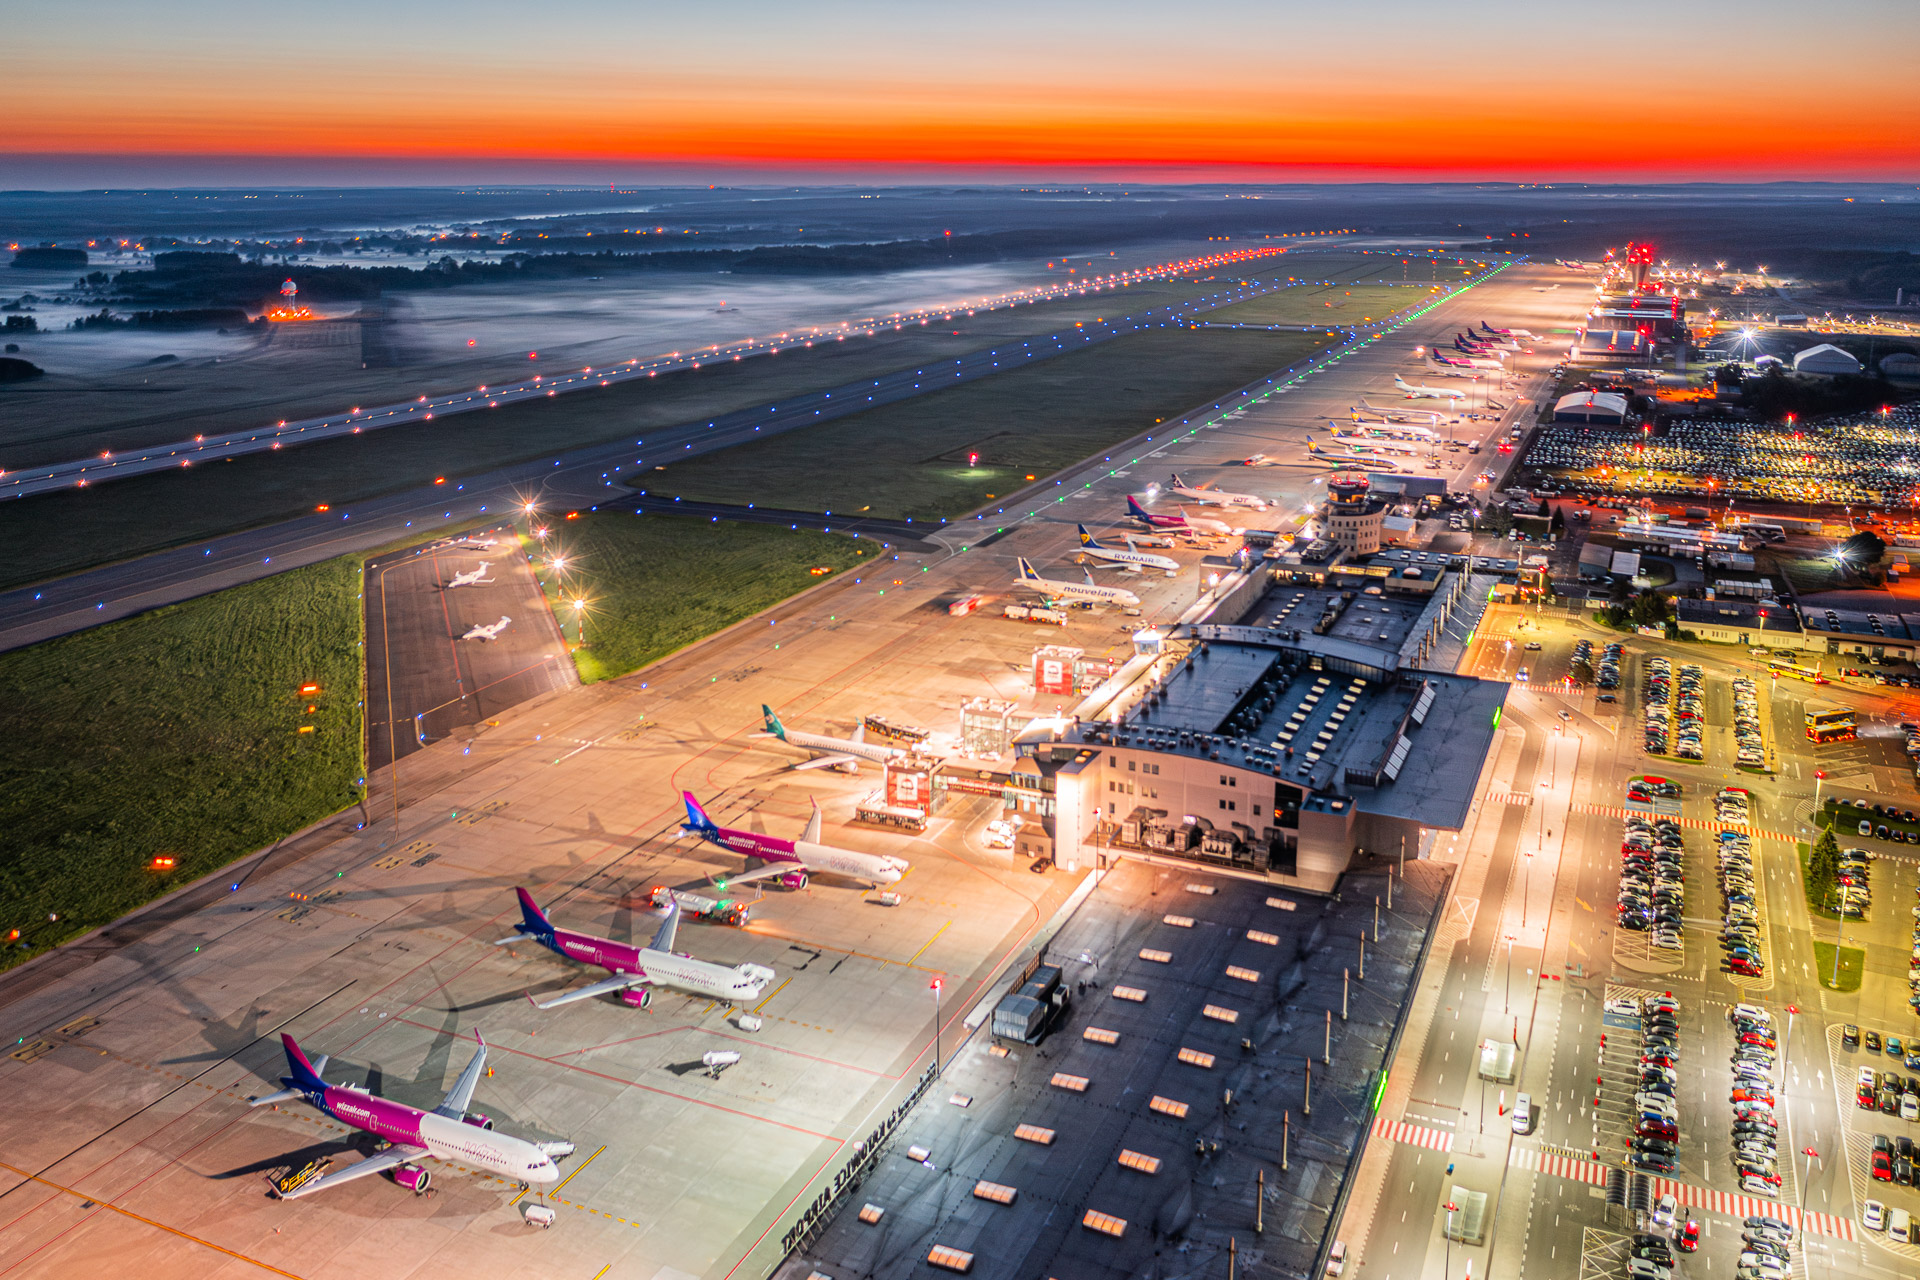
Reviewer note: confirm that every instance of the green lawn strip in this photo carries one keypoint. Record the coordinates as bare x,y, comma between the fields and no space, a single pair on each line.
910,460
1814,906
1337,304
131,517
1853,966
1846,819
655,583
175,733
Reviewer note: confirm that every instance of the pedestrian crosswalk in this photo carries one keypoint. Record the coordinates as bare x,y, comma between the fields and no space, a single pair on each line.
1412,1134
1732,1204
1698,824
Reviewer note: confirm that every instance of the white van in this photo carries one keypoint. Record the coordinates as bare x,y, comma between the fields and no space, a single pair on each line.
1900,1225
1523,1113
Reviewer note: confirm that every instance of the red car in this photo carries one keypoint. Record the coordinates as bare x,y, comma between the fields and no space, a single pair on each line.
1753,1095
1745,968
1689,1238
1882,1167
1657,1129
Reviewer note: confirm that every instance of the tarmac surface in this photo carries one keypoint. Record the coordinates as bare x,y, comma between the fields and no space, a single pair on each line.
370,938
1158,1112
427,681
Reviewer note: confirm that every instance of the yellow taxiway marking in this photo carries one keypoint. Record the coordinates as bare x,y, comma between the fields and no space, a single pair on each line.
770,995
929,942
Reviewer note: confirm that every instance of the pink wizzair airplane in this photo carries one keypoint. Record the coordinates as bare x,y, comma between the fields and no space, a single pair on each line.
447,1132
790,860
637,970
1182,523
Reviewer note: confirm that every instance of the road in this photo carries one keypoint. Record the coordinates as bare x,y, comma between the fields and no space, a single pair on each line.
1540,874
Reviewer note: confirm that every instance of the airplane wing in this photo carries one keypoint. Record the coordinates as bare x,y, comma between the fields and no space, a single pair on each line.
766,872
618,982
812,834
460,1097
663,938
379,1162
826,762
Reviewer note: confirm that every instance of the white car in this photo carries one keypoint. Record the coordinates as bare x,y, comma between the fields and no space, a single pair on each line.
1873,1216
1664,1210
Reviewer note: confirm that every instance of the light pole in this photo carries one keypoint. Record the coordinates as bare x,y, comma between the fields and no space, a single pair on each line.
1506,1001
1806,1173
1786,1054
1451,1208
935,984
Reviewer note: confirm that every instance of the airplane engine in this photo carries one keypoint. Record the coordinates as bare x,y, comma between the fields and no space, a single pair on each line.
794,880
636,997
480,1120
413,1178
848,766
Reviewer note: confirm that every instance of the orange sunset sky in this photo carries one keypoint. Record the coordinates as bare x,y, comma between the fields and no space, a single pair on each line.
1211,89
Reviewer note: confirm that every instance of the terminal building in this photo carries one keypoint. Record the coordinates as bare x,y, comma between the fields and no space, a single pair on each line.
1282,728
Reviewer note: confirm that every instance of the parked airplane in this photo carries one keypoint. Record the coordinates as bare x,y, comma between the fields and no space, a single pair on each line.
1461,360
791,860
637,970
1183,522
1440,367
844,754
1421,392
488,631
1487,328
1207,497
1057,589
1340,455
1360,442
1393,430
1397,413
1134,560
444,1133
471,578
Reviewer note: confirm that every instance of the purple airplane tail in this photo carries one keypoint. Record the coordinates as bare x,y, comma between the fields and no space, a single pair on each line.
533,921
300,1072
697,823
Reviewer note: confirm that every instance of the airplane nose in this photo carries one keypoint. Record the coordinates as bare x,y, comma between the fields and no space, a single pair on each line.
548,1172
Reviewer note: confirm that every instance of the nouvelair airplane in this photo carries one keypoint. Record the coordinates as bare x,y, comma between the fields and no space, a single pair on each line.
1090,591
1131,559
488,631
444,1133
1413,392
844,754
637,970
1182,522
471,578
1213,497
791,860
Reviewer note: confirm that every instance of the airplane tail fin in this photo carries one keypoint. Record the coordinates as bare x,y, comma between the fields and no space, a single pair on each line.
1026,571
1086,539
1135,509
301,1074
697,823
533,921
773,722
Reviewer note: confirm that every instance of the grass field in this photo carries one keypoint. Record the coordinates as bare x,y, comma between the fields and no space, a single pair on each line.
148,513
1853,966
910,460
174,734
655,583
1337,304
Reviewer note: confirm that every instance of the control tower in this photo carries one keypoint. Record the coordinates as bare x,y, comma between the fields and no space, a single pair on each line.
1354,518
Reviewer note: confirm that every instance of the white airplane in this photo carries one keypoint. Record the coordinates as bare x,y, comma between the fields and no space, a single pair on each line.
1089,590
655,965
1182,523
1131,559
1461,365
1413,392
1360,442
844,754
471,578
1396,413
1207,497
1393,430
790,860
488,631
1347,457
444,1133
